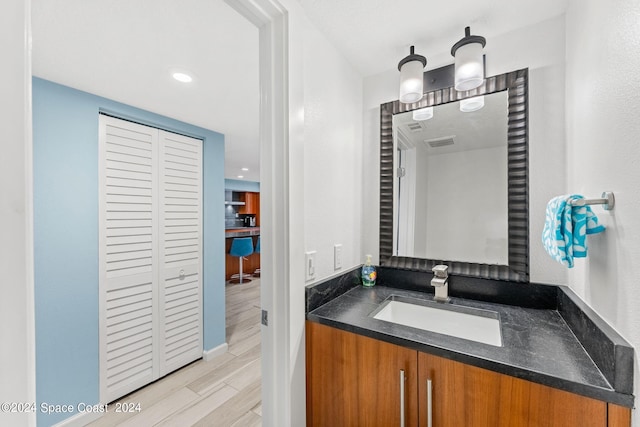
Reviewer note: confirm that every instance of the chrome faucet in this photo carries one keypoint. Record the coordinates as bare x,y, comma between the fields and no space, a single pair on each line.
440,281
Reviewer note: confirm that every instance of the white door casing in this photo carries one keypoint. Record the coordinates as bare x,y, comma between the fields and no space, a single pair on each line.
271,18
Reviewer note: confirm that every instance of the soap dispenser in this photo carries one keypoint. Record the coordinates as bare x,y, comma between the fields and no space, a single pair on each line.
368,273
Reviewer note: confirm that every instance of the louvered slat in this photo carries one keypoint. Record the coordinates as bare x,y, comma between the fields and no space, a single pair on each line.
127,328
172,238
183,320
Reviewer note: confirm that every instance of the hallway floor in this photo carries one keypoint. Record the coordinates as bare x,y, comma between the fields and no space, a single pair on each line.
225,391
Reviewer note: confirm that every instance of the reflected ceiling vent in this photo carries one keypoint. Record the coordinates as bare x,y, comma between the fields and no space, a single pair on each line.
414,126
443,141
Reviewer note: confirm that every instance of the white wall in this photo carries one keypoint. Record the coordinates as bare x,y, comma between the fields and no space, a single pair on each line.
540,48
471,189
324,174
603,133
332,155
17,335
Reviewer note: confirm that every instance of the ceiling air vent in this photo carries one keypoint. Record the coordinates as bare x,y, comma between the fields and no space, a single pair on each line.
414,126
440,142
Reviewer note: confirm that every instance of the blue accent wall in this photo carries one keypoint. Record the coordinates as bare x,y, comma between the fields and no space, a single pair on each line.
65,165
238,185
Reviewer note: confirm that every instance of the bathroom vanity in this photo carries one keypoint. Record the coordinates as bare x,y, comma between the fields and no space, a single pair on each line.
355,380
557,365
549,361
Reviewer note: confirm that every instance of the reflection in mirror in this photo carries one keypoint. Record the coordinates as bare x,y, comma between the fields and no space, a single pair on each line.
451,186
454,191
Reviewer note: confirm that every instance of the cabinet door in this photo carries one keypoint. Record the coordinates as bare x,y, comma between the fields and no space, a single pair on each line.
256,204
353,380
251,203
464,395
618,416
248,203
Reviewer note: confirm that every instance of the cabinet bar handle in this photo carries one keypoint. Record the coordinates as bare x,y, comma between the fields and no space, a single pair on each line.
429,403
402,387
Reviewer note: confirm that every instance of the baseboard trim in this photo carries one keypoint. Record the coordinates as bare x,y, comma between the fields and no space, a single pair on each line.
80,419
208,355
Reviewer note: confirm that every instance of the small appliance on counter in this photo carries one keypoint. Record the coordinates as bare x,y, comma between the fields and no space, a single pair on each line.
249,221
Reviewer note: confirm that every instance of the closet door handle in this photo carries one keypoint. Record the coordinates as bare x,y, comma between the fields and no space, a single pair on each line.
429,403
402,403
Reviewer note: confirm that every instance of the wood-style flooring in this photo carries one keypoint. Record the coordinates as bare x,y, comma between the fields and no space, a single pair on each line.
225,391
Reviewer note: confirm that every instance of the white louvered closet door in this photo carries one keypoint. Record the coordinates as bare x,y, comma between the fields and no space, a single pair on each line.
180,250
128,256
139,223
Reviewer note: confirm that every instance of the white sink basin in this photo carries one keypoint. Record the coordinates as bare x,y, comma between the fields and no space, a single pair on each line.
458,321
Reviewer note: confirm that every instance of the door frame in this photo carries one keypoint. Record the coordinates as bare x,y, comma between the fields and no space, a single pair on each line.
271,19
17,307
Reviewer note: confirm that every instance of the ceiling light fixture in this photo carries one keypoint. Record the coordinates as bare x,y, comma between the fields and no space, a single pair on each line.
411,68
423,114
245,169
240,176
469,66
182,77
471,104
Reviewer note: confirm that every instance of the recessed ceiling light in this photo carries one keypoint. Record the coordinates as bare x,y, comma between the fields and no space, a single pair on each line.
182,77
240,176
245,169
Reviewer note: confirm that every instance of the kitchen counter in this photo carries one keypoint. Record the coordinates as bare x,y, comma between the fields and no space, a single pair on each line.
538,344
242,232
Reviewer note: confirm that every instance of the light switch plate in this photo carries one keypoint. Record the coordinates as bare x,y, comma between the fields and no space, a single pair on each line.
337,256
309,265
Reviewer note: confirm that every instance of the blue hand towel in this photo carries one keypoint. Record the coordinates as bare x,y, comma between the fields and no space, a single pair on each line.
566,228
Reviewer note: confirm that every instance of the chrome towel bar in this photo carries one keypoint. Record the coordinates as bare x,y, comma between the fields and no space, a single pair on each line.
607,200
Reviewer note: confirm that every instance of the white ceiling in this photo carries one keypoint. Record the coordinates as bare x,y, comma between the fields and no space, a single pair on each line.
374,35
484,128
124,50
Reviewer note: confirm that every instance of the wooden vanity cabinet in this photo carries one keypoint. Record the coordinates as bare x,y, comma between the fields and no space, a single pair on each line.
464,395
353,380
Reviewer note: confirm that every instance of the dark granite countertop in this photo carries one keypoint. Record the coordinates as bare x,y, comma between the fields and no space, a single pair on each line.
242,232
538,345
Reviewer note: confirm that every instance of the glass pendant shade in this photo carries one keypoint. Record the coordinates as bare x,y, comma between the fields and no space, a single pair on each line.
411,82
469,63
469,67
423,114
411,74
471,104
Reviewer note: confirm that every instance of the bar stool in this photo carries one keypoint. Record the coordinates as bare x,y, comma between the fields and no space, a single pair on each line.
241,247
257,272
